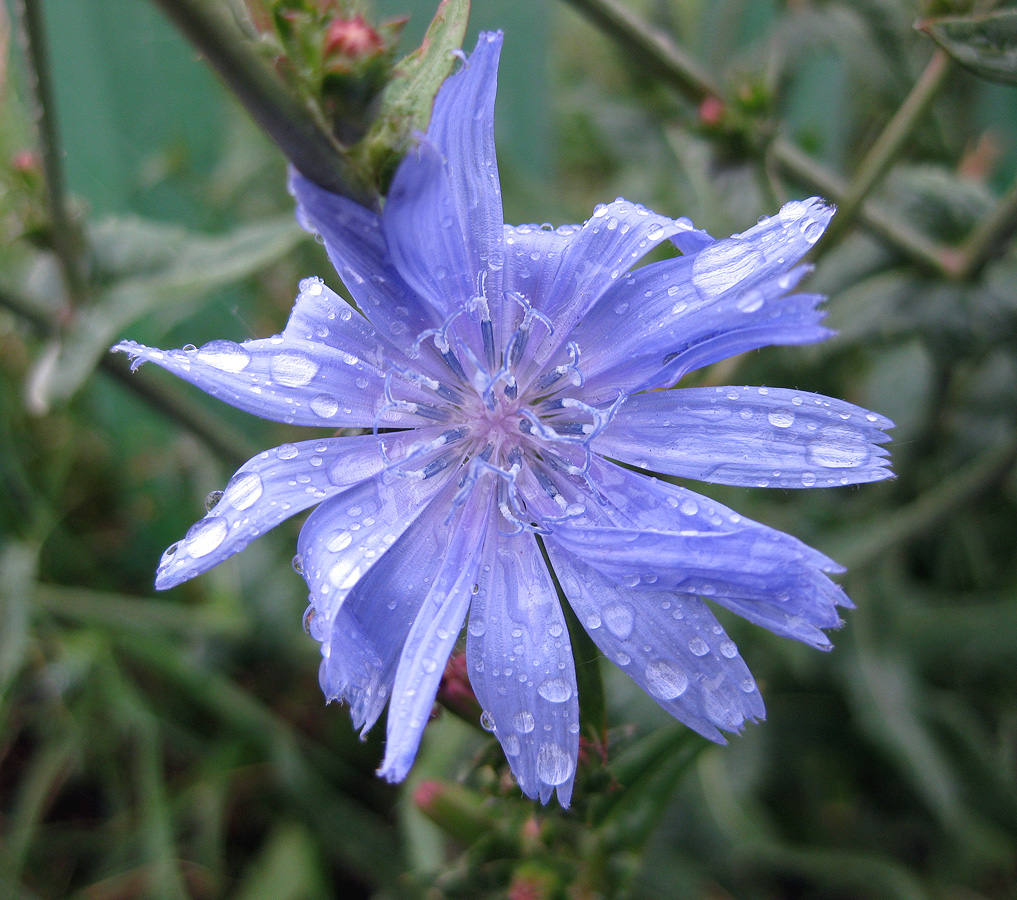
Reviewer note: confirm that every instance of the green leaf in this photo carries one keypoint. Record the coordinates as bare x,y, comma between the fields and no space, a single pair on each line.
408,99
18,569
158,265
984,44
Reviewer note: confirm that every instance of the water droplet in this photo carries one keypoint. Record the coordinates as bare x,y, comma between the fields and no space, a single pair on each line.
205,536
554,765
698,646
339,541
224,355
293,369
510,744
722,265
808,479
212,500
592,622
689,506
728,649
523,722
837,447
619,620
750,301
244,490
487,721
324,406
309,615
286,451
477,626
665,680
298,564
556,690
781,418
428,664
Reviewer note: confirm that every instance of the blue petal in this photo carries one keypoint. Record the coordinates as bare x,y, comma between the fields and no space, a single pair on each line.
433,635
462,128
765,437
520,666
425,236
363,623
356,245
291,380
671,317
275,485
651,535
669,644
614,238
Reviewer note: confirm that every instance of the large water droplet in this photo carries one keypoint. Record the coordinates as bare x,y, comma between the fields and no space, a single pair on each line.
244,490
287,451
204,536
556,690
781,418
619,620
523,722
554,765
665,680
224,355
324,406
723,264
293,369
212,500
339,541
837,447
698,646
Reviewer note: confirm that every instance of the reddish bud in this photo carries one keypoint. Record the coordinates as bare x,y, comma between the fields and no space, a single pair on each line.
426,794
711,112
26,162
352,38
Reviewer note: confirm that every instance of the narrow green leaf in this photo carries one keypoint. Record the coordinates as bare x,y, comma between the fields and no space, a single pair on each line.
17,576
408,99
984,44
162,266
287,868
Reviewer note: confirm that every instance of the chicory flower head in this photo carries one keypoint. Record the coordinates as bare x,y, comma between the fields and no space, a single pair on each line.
497,373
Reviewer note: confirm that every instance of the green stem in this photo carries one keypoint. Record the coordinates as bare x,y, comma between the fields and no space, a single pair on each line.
912,244
67,239
887,148
307,145
659,56
988,238
651,50
227,444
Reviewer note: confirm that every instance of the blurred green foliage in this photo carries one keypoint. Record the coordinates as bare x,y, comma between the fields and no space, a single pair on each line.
177,746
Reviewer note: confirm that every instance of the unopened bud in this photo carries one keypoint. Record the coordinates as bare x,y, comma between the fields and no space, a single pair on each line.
352,39
711,112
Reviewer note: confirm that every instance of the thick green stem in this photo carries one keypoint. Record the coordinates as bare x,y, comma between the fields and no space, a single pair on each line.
655,54
291,125
67,239
987,239
651,50
887,148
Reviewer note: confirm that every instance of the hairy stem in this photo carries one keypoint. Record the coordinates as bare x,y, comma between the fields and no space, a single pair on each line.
307,145
887,148
67,238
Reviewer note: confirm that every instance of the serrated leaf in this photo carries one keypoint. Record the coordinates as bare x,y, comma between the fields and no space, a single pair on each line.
408,99
983,44
182,269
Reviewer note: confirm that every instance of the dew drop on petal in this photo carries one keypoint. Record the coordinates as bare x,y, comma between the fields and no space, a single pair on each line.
665,680
224,355
523,722
750,301
724,264
808,479
324,406
510,744
212,500
205,536
293,369
244,490
487,721
837,447
619,620
554,765
728,649
781,418
698,646
689,506
339,541
556,690
286,451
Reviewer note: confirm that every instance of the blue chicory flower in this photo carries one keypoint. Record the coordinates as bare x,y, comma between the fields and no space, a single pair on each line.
497,373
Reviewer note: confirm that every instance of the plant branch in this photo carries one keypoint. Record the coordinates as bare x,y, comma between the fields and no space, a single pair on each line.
988,238
67,239
885,151
303,141
652,50
656,54
229,445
